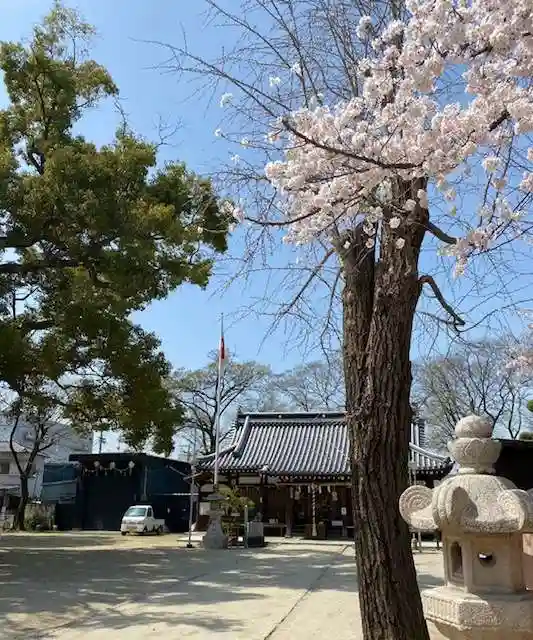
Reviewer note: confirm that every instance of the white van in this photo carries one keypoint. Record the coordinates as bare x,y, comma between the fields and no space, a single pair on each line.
140,519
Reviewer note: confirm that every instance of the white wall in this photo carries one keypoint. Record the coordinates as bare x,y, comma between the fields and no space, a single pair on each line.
12,479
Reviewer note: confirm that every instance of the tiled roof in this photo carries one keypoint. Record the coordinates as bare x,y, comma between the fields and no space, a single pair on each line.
422,459
300,444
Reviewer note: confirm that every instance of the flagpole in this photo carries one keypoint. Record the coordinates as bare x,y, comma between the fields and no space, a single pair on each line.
215,537
221,356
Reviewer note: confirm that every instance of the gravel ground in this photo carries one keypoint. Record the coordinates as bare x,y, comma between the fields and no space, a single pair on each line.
74,586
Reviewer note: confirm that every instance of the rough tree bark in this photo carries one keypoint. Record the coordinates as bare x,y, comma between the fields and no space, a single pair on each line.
20,515
379,301
24,469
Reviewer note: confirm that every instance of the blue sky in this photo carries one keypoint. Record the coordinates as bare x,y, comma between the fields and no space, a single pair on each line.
188,321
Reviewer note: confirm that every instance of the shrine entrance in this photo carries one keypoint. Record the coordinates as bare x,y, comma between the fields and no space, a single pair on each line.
324,507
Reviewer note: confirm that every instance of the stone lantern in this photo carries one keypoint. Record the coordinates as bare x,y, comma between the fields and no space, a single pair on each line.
214,537
482,518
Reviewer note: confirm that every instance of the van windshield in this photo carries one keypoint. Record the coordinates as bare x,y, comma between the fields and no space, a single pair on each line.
136,512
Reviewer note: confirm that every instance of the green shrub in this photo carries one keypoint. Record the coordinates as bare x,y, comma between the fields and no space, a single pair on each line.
234,502
37,522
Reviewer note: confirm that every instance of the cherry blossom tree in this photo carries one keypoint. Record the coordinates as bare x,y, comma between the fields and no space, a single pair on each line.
369,120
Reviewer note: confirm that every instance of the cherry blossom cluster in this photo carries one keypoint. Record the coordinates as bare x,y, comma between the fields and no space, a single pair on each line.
521,358
341,161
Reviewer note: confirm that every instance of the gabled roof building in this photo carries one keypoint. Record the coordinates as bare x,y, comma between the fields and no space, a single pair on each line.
296,467
307,446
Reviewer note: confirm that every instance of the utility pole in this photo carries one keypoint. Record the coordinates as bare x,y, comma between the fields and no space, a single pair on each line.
192,489
101,441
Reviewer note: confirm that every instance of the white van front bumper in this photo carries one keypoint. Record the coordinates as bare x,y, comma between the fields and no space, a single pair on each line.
132,527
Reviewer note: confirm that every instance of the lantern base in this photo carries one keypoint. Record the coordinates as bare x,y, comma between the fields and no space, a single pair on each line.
464,616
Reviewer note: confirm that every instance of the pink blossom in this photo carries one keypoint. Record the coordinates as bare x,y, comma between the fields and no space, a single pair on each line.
423,198
491,164
341,159
395,222
364,28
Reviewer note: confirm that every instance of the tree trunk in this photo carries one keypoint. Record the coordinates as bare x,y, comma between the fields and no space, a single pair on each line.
379,302
20,515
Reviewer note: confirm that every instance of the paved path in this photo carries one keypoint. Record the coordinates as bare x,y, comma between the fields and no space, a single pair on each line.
91,587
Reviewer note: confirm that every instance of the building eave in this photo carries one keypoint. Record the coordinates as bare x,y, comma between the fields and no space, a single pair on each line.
296,445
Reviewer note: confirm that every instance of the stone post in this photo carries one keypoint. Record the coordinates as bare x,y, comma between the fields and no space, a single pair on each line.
528,560
483,519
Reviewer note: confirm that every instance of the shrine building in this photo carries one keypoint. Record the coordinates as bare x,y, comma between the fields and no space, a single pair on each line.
295,468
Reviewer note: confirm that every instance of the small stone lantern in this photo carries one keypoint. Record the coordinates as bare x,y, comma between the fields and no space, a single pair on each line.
214,537
482,518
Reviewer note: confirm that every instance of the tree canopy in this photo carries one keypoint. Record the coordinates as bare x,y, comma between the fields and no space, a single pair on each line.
89,235
312,386
242,386
472,378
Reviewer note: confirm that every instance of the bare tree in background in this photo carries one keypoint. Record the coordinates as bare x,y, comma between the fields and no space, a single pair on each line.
38,413
197,391
313,386
251,386
288,57
472,378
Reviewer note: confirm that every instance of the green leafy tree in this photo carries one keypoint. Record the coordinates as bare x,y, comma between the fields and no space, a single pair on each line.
234,501
89,235
234,505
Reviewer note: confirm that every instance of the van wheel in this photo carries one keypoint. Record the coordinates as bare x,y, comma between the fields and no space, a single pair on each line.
145,530
124,533
158,531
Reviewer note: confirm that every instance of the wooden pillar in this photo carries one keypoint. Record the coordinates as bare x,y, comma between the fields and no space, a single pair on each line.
263,499
289,508
314,514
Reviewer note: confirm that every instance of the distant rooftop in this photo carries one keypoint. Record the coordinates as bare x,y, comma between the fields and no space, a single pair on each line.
5,448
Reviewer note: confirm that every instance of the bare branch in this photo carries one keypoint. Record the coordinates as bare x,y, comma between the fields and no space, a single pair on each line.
440,234
426,279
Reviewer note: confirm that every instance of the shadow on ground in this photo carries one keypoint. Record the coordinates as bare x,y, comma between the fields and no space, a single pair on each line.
50,581
25,540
